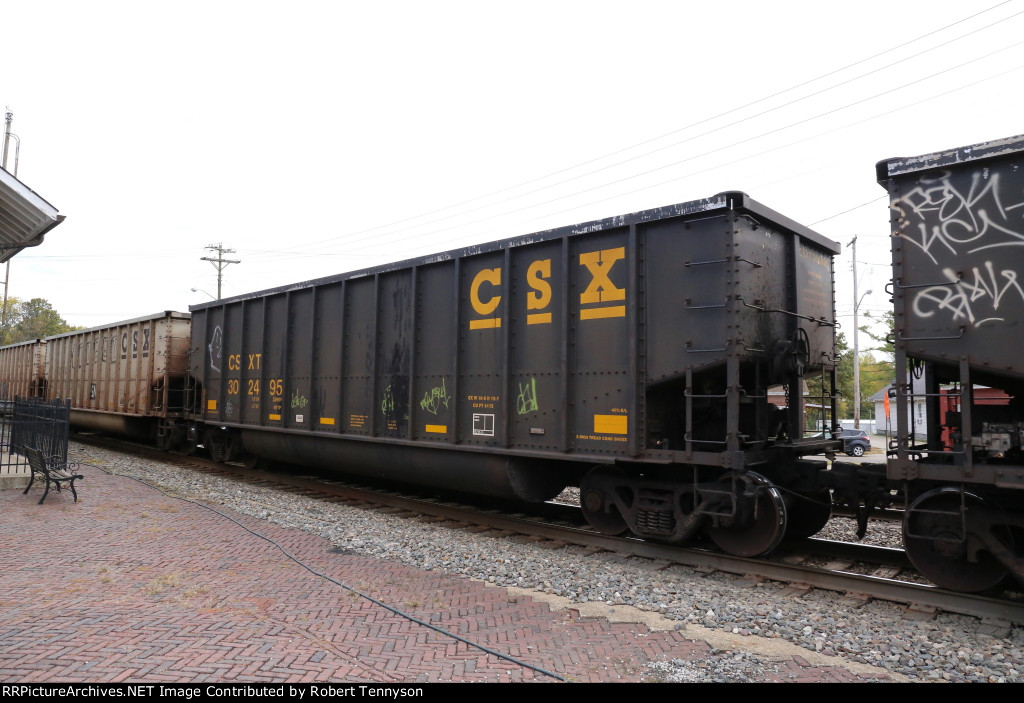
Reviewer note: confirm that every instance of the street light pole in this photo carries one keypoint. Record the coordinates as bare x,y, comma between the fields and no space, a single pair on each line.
856,346
856,364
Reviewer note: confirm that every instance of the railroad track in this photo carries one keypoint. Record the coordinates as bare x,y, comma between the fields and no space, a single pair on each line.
860,572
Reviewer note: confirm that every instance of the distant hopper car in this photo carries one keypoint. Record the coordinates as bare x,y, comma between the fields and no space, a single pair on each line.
677,364
23,370
128,378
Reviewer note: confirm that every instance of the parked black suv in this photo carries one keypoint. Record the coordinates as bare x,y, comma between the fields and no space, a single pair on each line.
855,442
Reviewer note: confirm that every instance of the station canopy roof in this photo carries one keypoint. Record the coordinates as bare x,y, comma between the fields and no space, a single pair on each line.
24,216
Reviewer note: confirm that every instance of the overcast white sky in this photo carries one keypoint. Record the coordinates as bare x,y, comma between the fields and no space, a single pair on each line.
317,137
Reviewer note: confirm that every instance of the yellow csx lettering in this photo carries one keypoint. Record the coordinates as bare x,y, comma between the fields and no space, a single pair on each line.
234,362
492,276
540,297
254,361
601,288
599,291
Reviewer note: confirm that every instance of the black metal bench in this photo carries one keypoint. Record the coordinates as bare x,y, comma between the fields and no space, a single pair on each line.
52,472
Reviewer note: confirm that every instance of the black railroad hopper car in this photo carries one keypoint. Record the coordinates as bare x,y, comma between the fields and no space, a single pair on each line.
958,254
632,356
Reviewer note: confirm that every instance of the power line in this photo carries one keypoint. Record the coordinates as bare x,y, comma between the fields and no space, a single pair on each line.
844,212
714,151
343,237
356,254
220,262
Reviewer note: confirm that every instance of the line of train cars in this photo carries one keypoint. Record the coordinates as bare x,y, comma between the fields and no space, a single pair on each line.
668,362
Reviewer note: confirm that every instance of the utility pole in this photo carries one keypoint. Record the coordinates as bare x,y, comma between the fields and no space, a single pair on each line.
856,347
220,262
8,118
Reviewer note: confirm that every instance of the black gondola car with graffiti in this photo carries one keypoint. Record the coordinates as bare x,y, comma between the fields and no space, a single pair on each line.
631,356
958,254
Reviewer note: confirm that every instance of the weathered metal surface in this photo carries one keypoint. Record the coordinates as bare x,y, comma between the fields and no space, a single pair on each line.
23,370
958,253
132,369
573,343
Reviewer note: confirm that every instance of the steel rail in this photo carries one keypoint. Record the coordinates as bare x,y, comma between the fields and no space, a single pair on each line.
915,596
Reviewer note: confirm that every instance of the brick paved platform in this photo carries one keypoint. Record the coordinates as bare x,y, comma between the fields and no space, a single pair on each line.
132,586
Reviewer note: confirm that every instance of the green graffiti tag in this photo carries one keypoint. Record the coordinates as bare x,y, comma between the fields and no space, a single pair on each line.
435,399
299,401
387,405
527,400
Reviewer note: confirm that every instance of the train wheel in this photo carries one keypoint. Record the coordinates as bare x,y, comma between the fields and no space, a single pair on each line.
220,445
598,503
760,520
252,461
169,434
808,513
163,440
215,445
934,538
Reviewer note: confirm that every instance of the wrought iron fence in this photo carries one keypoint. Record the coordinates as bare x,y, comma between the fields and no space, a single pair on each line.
32,422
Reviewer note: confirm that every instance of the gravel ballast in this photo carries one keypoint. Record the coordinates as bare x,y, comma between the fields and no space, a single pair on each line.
762,613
